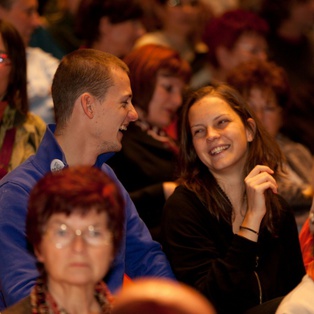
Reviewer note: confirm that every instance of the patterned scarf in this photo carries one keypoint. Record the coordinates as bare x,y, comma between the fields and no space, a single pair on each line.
42,301
159,135
7,136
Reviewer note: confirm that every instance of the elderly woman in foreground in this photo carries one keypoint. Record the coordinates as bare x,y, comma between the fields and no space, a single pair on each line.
74,223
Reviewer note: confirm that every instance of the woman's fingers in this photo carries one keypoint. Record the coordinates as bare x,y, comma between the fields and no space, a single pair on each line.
260,175
261,181
257,182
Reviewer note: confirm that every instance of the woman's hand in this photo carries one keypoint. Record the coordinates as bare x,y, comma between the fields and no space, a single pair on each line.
257,182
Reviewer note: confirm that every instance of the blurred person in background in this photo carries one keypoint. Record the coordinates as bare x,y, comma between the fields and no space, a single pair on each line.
41,66
265,87
291,46
160,296
147,161
234,37
20,130
300,300
180,27
56,34
110,25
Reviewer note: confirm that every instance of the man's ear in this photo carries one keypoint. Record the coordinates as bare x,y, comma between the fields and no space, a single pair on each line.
87,103
251,130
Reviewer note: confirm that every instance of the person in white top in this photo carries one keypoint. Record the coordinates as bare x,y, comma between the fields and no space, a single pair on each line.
300,299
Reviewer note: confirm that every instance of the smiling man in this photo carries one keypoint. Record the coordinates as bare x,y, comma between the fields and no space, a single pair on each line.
92,101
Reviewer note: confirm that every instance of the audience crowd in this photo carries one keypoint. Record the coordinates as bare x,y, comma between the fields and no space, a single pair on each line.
170,139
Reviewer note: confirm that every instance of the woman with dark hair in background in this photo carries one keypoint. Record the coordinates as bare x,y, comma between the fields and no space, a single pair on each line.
265,87
110,25
146,164
20,130
234,37
180,28
291,46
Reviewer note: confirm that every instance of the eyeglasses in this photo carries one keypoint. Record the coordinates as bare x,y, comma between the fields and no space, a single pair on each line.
62,235
269,109
253,50
4,59
180,3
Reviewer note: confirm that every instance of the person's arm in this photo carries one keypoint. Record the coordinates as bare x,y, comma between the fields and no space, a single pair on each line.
18,270
295,185
257,182
150,200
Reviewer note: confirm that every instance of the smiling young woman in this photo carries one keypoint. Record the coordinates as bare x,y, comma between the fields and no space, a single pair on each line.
226,230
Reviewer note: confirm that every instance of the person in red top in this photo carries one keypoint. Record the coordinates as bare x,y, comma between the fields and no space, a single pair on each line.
307,239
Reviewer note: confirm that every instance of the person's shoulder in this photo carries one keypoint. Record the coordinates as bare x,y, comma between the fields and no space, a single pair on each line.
37,55
133,132
35,119
299,299
35,123
22,177
182,197
183,190
21,307
289,146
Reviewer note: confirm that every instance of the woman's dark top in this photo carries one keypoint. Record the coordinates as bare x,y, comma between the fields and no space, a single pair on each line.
143,164
231,271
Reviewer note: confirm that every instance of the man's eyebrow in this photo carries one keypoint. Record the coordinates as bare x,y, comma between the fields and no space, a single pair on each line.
128,96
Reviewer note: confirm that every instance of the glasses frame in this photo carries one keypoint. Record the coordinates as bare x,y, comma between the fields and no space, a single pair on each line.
73,233
4,59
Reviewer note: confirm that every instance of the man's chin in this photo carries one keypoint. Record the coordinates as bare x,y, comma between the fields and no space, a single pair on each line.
116,147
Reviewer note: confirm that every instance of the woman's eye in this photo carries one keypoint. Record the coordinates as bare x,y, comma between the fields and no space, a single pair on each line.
223,122
168,88
94,233
198,132
62,233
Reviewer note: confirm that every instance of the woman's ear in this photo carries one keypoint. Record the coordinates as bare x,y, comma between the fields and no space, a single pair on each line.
224,58
38,254
250,130
87,103
104,25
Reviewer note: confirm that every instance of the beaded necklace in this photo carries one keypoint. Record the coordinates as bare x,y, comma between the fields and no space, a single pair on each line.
42,301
